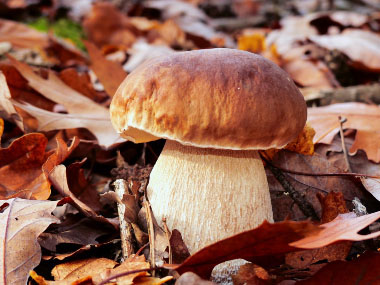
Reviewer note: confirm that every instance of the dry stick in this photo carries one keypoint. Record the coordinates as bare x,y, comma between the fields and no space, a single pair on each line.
306,208
150,233
109,279
341,122
125,228
167,233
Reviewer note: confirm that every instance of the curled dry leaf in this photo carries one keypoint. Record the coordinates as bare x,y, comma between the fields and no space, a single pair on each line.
58,178
266,244
362,47
362,117
21,168
24,166
21,222
94,117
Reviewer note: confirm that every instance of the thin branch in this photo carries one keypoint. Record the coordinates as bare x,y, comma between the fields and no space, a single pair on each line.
306,208
109,279
345,154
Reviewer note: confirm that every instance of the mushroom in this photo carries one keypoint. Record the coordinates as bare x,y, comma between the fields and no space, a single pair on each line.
216,108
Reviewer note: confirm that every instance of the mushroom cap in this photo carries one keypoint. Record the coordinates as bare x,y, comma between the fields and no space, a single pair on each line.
214,98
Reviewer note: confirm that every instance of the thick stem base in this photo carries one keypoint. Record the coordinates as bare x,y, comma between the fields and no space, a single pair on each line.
209,194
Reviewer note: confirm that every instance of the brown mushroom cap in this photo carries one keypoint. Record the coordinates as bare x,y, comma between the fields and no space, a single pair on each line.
217,98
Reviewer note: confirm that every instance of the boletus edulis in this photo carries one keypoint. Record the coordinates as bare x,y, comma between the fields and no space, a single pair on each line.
216,108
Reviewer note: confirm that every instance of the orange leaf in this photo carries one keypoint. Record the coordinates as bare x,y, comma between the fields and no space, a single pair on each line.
361,117
109,73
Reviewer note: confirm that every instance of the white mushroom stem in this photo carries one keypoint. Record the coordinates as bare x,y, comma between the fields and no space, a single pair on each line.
209,194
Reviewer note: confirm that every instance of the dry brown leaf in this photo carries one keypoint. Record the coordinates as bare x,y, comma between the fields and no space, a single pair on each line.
21,168
21,222
106,25
24,166
109,73
361,117
266,244
307,186
93,117
251,274
360,271
81,82
78,269
58,178
360,46
308,73
190,278
7,109
333,204
21,35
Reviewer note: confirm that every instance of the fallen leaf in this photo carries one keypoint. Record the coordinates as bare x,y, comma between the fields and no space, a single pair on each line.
21,168
20,35
359,45
307,186
110,73
106,25
78,269
21,222
73,230
333,204
94,117
361,271
58,178
190,278
267,243
24,166
251,274
81,82
361,117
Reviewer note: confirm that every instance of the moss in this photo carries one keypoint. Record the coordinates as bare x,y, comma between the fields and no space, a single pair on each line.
63,28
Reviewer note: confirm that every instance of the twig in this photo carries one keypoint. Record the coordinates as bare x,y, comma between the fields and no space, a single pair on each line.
306,208
341,122
125,228
127,273
167,233
142,248
359,93
150,233
349,174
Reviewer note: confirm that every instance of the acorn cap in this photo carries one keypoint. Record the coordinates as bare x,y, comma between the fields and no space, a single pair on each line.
214,98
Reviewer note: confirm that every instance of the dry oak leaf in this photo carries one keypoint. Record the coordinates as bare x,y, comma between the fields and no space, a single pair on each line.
24,166
21,222
78,269
21,35
362,47
332,205
266,244
109,73
21,172
362,117
58,178
83,112
360,271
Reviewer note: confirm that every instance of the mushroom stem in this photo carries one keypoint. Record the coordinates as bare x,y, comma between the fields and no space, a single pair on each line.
209,194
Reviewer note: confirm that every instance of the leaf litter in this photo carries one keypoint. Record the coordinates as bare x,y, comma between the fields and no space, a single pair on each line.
58,140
